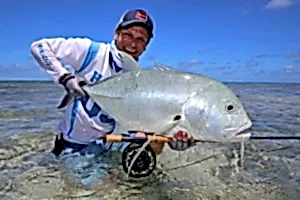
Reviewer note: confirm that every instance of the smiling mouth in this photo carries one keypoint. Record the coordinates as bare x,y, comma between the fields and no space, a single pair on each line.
129,51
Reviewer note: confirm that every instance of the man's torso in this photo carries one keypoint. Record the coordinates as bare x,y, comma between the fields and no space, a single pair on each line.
84,121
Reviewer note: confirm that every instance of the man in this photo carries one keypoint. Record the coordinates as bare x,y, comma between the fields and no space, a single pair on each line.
84,122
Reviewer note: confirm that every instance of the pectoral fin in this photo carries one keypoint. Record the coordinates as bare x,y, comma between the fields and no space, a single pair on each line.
65,101
68,98
128,63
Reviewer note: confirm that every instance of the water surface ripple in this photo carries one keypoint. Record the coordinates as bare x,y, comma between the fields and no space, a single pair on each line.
28,119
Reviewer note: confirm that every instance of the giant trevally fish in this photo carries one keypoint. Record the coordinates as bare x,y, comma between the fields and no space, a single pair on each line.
158,101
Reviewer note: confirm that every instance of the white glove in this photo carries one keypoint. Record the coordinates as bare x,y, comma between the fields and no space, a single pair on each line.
72,85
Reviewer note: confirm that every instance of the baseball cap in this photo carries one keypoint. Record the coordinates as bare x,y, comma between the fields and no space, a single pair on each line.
137,16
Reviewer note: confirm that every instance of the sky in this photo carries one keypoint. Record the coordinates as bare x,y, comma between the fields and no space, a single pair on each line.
229,40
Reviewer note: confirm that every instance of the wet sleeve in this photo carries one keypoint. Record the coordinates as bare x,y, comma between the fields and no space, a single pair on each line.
49,52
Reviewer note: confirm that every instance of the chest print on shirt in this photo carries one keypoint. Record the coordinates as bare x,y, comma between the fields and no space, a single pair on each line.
95,77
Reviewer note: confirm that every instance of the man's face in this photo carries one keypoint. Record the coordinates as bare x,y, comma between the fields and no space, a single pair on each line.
132,40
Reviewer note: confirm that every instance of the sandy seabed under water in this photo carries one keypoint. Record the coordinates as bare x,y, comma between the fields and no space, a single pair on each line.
270,169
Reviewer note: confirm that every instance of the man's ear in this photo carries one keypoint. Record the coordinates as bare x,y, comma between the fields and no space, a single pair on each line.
116,34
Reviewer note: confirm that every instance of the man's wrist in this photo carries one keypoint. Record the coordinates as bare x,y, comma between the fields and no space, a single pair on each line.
65,78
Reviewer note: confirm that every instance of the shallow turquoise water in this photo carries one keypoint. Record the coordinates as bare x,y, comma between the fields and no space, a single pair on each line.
28,118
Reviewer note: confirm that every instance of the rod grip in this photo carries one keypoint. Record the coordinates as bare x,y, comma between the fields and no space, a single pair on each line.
113,138
120,138
159,138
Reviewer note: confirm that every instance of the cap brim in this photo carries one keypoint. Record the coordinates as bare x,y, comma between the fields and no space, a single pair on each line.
136,21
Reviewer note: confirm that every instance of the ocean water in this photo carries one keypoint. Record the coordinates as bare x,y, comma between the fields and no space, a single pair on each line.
269,170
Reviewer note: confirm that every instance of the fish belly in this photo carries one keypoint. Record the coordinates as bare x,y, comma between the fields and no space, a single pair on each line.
144,100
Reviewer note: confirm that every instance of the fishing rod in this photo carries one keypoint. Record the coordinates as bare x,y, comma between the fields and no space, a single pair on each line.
165,139
274,138
145,164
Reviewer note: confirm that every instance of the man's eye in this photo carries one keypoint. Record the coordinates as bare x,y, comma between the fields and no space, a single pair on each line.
127,34
143,40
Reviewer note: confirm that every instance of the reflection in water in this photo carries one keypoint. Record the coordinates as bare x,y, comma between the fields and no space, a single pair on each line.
270,170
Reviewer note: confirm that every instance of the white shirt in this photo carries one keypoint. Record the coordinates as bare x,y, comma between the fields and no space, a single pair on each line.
84,121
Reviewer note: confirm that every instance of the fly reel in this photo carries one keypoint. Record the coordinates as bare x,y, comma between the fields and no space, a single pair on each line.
145,163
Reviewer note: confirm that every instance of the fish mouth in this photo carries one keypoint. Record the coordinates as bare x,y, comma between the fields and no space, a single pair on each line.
238,131
243,128
241,134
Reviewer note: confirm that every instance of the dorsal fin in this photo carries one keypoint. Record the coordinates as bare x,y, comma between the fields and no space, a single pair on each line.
160,66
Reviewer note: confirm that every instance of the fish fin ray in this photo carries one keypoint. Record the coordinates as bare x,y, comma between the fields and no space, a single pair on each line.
162,67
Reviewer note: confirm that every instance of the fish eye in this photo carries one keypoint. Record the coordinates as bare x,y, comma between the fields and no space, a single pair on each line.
177,117
229,107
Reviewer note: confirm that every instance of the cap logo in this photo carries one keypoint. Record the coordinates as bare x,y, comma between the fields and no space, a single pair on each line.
140,15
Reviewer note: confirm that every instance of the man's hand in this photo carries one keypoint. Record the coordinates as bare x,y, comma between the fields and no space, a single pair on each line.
71,85
156,146
181,142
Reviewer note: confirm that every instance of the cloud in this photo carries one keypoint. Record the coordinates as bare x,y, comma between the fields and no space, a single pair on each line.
251,63
151,58
259,72
266,56
292,55
204,51
223,69
245,12
289,68
26,71
29,70
297,61
289,73
279,4
230,71
189,64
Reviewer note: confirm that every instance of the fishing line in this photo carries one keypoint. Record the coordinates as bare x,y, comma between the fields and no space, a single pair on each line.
192,163
274,138
167,129
278,149
137,154
145,163
140,150
242,150
146,142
